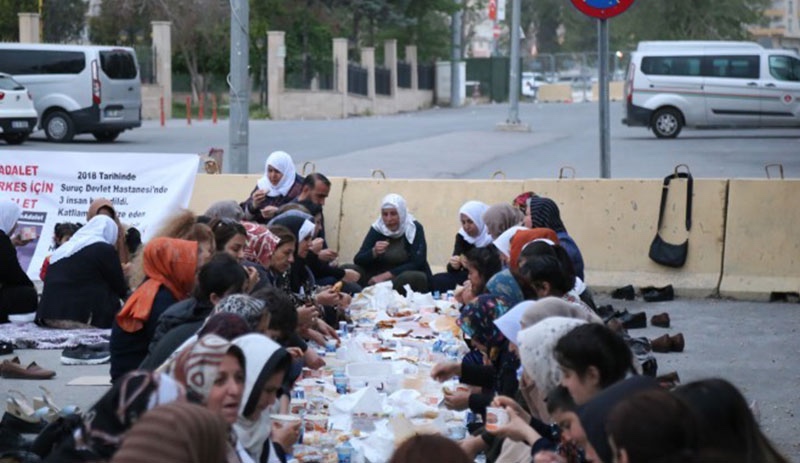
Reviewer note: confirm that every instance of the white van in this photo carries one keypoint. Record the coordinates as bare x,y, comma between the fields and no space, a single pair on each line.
711,84
78,88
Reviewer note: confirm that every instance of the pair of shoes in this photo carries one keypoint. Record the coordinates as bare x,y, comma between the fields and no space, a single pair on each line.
667,343
661,320
653,294
23,417
14,369
6,348
626,293
632,321
82,354
46,401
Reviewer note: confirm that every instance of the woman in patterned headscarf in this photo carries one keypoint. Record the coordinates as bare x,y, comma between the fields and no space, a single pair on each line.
544,213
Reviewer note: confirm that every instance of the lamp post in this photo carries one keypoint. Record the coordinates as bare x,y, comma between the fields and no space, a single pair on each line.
260,44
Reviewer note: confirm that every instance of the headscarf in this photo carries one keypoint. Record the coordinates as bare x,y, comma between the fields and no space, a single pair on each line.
121,244
300,227
536,344
536,311
167,261
247,307
290,213
261,244
522,200
178,433
228,209
106,423
100,229
474,210
263,357
226,325
283,163
503,242
503,284
500,217
523,237
407,226
9,214
197,365
594,414
545,213
477,321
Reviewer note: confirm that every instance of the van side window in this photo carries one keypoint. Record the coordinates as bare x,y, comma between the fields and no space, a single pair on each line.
118,64
25,62
784,68
672,65
737,67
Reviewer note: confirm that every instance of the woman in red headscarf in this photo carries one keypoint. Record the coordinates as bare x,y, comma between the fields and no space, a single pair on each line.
169,266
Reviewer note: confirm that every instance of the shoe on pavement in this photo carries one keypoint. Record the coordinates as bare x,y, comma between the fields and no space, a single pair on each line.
13,369
86,355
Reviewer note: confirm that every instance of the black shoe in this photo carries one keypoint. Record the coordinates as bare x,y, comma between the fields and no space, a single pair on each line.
96,354
632,321
6,348
653,294
13,424
626,292
605,312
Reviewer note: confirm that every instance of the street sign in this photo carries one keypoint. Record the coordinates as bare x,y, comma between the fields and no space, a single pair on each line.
493,10
602,9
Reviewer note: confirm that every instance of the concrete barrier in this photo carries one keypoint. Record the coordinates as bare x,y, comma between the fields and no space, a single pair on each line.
762,249
554,93
614,222
616,91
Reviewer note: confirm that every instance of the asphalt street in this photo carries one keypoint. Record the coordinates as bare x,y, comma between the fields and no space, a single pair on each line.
463,143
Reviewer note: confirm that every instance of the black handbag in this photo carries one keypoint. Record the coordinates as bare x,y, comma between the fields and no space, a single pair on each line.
668,254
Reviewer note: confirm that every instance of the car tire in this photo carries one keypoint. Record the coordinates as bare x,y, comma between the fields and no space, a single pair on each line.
106,136
58,127
16,138
667,123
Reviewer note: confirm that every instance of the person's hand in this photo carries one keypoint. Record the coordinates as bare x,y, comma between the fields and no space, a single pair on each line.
546,456
258,197
306,315
517,429
466,295
345,300
327,255
472,446
269,212
455,262
295,352
443,371
385,276
351,276
326,330
17,241
286,434
458,400
510,404
328,297
316,245
312,359
252,279
380,247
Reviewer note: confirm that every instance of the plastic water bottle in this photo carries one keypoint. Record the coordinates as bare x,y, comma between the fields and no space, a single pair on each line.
345,452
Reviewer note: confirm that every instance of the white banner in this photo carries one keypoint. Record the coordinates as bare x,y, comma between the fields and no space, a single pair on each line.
501,10
54,187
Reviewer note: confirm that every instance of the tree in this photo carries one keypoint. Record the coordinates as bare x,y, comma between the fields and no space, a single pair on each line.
9,21
64,20
120,21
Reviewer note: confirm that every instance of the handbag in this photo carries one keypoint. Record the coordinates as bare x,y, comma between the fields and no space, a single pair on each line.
661,252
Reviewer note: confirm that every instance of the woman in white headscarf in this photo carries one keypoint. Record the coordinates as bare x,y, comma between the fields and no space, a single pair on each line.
472,234
395,249
84,282
266,364
17,293
279,185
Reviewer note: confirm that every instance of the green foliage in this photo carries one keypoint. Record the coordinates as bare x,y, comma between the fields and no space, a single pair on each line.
121,22
63,20
9,21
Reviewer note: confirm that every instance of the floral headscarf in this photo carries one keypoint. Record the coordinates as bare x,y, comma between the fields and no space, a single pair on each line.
261,244
477,321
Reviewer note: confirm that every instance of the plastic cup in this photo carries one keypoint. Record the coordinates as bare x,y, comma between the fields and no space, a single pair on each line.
495,417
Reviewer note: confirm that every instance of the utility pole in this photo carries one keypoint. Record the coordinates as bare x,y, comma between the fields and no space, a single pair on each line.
238,80
605,127
513,123
455,58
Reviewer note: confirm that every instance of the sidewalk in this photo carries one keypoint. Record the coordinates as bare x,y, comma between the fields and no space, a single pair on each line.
756,346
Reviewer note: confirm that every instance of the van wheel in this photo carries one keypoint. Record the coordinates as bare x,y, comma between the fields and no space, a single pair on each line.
16,138
106,136
667,123
58,127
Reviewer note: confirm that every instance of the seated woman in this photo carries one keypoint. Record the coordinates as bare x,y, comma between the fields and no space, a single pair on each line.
102,206
395,249
225,209
473,234
17,293
544,213
500,217
62,232
481,264
266,364
230,236
258,249
279,185
85,282
170,265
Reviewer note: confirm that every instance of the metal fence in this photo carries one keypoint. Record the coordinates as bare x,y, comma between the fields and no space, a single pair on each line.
308,73
426,76
403,74
357,78
146,55
383,81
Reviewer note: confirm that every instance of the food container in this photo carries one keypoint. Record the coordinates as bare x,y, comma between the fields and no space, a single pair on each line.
298,406
495,417
316,423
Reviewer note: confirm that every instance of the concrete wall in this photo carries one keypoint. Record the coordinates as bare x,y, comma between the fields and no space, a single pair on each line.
613,222
303,104
762,249
151,101
615,91
554,93
414,100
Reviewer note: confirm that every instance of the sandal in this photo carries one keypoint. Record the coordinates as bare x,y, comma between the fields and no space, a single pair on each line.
20,408
46,401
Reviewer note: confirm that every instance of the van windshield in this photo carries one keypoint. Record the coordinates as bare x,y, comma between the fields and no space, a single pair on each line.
118,64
